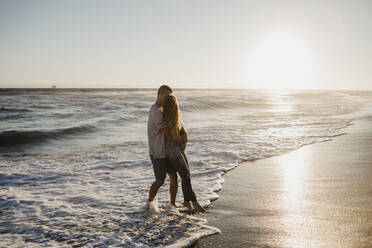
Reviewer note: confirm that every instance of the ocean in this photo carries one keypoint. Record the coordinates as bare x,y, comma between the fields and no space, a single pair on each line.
75,169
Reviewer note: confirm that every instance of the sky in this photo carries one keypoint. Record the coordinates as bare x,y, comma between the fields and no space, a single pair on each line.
186,44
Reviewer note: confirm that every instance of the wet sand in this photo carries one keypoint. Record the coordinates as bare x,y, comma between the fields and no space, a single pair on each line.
317,196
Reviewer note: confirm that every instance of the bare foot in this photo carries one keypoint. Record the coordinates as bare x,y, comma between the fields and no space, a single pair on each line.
152,207
188,205
198,208
172,208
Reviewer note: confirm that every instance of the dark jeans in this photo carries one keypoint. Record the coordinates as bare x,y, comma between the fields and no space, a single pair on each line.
161,167
179,162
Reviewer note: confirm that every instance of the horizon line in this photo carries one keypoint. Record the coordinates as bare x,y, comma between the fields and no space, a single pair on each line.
181,88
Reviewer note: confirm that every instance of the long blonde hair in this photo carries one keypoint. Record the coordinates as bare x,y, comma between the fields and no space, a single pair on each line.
172,113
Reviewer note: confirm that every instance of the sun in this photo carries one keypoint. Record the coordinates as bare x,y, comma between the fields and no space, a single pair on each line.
280,61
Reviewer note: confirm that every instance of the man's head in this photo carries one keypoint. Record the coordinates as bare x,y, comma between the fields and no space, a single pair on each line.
163,92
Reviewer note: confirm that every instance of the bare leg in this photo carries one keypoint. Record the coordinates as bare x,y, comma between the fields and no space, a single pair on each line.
173,187
198,207
154,189
188,205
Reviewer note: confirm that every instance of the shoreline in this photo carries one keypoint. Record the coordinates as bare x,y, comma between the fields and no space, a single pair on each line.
286,200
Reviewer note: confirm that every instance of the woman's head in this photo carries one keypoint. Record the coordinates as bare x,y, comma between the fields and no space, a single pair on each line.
163,91
172,113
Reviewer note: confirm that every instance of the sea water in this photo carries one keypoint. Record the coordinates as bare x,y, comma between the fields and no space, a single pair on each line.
75,169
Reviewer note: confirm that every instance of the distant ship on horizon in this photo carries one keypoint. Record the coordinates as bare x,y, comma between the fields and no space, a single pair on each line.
54,87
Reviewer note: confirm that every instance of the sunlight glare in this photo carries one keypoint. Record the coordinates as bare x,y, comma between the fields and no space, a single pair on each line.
293,167
282,60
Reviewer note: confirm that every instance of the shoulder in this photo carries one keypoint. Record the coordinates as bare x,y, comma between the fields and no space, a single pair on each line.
155,112
155,109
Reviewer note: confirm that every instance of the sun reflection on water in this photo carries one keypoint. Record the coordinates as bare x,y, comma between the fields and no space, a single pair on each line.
281,102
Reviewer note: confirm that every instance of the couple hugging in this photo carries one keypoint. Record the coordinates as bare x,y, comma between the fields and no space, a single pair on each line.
167,140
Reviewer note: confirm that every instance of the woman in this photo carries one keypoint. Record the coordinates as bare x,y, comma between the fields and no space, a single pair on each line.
175,144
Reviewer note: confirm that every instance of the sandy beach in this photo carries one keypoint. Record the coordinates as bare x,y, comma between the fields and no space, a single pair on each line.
317,196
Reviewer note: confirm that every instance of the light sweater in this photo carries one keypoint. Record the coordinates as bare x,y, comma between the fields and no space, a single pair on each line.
155,132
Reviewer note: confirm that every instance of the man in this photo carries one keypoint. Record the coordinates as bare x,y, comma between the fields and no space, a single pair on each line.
156,140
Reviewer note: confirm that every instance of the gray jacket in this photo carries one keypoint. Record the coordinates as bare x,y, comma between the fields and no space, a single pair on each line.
155,132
